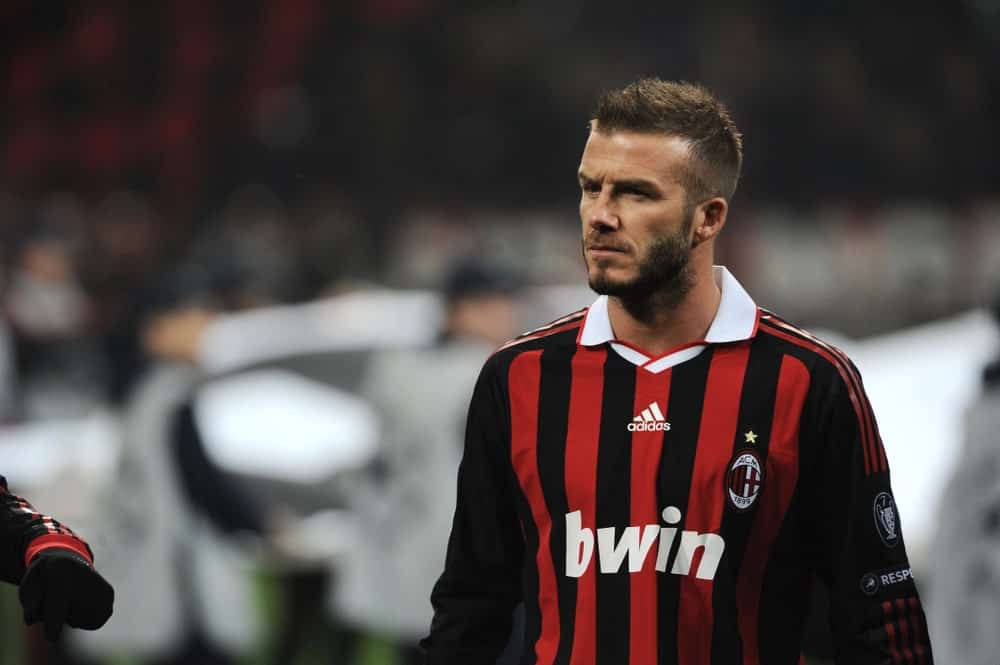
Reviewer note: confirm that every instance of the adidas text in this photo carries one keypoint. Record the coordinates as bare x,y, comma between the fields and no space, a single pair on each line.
649,427
650,420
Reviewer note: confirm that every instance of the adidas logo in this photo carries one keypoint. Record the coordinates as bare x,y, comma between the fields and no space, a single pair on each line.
650,420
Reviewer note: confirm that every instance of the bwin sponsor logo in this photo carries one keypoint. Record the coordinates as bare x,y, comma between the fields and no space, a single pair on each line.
636,542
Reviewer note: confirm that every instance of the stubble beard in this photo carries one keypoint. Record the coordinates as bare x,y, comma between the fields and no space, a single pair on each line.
665,276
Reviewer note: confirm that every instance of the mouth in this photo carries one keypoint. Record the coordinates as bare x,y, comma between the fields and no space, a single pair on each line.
601,250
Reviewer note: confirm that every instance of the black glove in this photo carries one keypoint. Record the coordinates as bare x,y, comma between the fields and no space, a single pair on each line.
61,587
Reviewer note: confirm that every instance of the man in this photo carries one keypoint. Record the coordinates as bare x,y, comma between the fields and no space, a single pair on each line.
405,502
965,560
53,567
659,476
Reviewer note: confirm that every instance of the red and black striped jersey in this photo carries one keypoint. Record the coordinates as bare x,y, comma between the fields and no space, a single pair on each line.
24,532
674,510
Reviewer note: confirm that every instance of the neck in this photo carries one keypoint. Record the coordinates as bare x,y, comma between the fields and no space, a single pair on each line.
660,324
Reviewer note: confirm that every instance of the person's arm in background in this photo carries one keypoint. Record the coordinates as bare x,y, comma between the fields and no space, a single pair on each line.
228,505
475,596
53,567
875,610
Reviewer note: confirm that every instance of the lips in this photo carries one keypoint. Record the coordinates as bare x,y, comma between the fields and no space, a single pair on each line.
605,249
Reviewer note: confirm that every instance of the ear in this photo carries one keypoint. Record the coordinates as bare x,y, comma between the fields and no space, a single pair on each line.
710,217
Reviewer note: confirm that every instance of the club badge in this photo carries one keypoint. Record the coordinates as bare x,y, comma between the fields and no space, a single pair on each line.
745,479
886,519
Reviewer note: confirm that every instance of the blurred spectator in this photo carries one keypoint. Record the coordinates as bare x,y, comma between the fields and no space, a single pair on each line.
406,500
59,369
183,588
964,605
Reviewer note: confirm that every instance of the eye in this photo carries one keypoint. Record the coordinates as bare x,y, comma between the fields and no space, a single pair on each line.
590,187
635,192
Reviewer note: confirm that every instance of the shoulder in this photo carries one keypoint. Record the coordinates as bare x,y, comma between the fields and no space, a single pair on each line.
560,333
563,331
827,364
837,401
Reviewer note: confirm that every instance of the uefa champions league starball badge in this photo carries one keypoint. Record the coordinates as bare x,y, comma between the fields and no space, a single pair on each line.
886,519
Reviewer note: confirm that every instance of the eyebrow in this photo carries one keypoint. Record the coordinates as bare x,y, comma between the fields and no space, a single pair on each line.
628,183
637,183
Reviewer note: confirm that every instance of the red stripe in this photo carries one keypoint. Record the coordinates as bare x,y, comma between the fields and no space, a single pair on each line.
646,449
890,632
904,630
705,502
857,397
918,631
56,540
874,440
775,497
523,384
582,437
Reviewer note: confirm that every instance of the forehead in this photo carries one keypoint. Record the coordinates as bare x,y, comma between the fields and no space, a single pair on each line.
621,154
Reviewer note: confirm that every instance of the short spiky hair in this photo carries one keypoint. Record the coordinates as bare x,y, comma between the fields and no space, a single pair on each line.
687,110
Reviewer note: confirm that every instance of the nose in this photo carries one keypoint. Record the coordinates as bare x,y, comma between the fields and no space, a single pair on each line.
600,215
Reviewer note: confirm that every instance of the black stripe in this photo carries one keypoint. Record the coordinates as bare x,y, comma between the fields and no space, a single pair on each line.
684,409
614,462
553,419
529,579
529,567
788,585
760,386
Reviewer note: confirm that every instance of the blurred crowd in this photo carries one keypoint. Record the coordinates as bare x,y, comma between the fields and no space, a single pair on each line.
430,100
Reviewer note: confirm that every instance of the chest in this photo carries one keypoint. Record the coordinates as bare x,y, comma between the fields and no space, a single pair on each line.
623,445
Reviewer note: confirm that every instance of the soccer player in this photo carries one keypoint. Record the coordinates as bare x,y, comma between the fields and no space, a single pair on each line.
53,567
659,476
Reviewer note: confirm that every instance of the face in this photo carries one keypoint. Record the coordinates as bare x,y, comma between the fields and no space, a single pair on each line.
637,224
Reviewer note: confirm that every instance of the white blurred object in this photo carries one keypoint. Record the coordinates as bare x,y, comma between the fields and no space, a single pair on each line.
315,540
921,381
279,425
36,452
370,318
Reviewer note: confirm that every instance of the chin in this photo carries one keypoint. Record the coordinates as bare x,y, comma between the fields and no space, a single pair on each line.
604,284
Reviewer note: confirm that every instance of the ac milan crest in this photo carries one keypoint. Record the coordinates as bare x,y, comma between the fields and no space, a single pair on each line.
745,479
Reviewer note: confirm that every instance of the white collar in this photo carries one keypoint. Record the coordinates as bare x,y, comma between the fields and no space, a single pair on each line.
735,321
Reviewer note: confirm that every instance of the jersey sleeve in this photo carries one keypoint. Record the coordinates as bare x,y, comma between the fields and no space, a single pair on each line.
475,596
24,532
875,610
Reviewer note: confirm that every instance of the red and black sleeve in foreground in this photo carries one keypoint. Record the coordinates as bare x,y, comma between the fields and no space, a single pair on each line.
24,532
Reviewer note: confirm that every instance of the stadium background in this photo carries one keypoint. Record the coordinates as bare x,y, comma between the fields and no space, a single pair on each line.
291,150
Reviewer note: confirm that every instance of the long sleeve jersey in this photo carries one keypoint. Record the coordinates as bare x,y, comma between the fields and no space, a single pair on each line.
673,511
24,532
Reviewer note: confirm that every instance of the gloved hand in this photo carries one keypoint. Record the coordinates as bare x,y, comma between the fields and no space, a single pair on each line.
59,587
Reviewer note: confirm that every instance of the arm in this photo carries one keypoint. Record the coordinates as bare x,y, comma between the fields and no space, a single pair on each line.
53,566
875,610
475,596
226,503
26,533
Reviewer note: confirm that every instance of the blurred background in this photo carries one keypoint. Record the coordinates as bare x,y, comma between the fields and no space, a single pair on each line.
252,255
